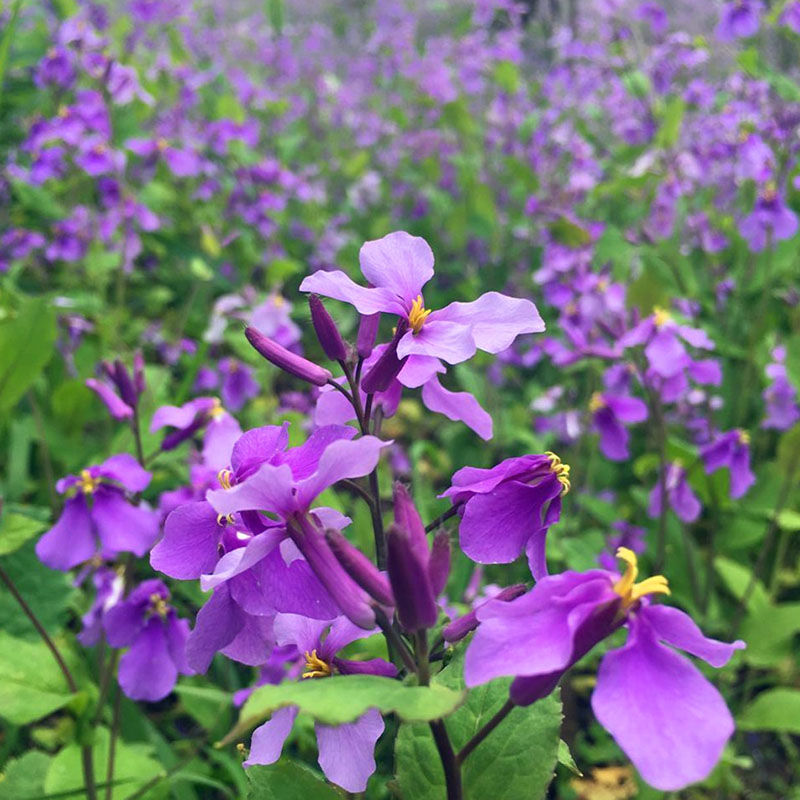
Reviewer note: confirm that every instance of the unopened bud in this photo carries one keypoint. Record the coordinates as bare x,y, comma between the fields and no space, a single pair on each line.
367,331
124,384
326,330
138,372
411,587
359,567
388,366
439,562
408,519
179,435
286,360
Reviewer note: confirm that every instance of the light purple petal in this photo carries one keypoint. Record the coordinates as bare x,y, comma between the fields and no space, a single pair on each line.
418,370
218,622
267,489
627,409
666,354
347,752
253,642
70,541
123,527
450,341
146,671
670,721
115,405
180,416
127,471
303,633
339,286
189,545
494,319
266,744
219,439
256,446
332,408
242,558
304,460
400,263
457,406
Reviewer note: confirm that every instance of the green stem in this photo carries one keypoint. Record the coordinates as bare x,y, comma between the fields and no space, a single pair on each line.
480,735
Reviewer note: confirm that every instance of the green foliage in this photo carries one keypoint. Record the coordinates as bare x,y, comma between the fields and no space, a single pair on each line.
16,529
287,780
773,710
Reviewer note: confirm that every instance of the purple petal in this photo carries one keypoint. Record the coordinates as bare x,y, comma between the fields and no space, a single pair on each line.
146,671
219,439
627,409
418,370
243,558
666,354
123,623
670,721
457,406
127,471
123,527
258,446
305,634
189,545
253,642
674,627
339,286
70,541
347,752
268,489
304,460
218,622
450,341
494,319
266,744
400,263
116,406
613,436
180,416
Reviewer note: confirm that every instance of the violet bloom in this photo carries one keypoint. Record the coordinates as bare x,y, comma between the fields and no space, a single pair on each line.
346,752
109,587
770,219
731,450
156,638
739,19
182,162
97,517
238,385
790,16
680,496
664,714
609,413
664,342
628,536
509,508
780,397
121,390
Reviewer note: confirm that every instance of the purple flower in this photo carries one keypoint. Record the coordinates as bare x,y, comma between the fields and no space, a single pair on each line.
97,517
683,500
780,397
769,219
56,69
609,412
121,391
156,638
731,450
397,267
508,509
790,16
238,385
628,536
109,587
739,19
670,721
345,751
95,157
182,162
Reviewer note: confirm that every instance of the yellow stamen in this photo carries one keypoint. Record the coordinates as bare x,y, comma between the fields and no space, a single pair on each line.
561,470
162,144
316,667
596,402
223,519
770,192
158,605
418,314
86,483
744,437
224,478
602,284
627,588
278,300
216,411
661,317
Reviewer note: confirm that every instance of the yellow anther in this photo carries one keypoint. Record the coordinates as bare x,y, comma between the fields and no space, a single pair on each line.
316,667
602,284
770,192
661,317
158,605
561,470
744,437
86,483
627,588
224,478
216,410
278,300
100,148
596,402
162,144
225,519
63,111
418,314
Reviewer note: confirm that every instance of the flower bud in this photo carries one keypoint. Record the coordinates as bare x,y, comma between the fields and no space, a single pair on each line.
461,626
367,331
326,330
411,587
179,435
138,372
388,366
439,562
286,360
408,519
124,384
359,567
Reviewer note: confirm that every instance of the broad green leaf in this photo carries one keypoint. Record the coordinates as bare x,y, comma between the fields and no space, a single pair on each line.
773,710
789,520
769,632
23,777
134,766
209,705
738,579
31,684
567,232
26,344
16,529
287,780
516,760
344,698
670,129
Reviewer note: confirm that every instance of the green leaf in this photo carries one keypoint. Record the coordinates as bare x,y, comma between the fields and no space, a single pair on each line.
23,778
769,633
26,345
566,759
567,232
134,766
287,780
209,705
516,760
670,129
737,579
16,529
31,684
773,710
344,698
788,520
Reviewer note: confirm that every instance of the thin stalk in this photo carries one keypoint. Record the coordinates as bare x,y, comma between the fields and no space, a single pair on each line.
137,436
112,744
480,735
47,461
395,642
86,750
442,518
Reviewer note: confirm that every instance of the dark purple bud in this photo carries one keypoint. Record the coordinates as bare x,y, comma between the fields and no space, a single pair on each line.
138,372
326,330
353,601
372,666
124,384
387,367
286,360
359,567
109,370
439,562
367,331
172,440
461,626
408,519
411,587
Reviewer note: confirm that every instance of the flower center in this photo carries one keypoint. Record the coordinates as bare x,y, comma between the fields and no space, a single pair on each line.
158,605
627,588
561,471
162,144
744,437
316,667
596,403
661,317
418,315
87,483
216,411
224,478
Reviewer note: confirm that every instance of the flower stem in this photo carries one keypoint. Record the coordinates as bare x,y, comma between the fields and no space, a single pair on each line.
442,518
502,713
